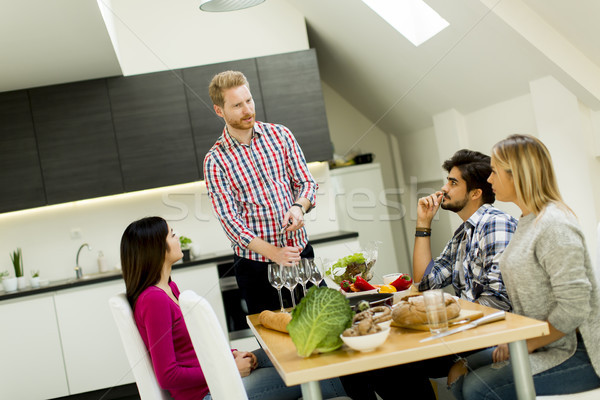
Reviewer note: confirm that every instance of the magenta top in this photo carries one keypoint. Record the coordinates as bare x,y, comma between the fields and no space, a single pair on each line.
163,330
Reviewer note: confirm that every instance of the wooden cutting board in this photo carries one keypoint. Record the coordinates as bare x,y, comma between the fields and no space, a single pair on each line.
465,315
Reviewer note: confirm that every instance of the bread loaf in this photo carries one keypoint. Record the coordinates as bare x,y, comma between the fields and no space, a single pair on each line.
412,310
273,320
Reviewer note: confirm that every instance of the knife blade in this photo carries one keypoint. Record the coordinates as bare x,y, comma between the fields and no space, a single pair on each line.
497,316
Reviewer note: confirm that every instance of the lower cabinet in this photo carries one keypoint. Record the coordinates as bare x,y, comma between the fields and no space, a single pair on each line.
94,355
32,364
205,282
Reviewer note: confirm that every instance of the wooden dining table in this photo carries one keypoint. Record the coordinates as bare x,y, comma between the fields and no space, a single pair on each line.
402,346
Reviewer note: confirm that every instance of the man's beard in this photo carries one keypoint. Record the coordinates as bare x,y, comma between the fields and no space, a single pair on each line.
456,207
241,124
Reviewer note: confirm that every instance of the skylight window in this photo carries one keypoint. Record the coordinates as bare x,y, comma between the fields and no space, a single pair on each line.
414,19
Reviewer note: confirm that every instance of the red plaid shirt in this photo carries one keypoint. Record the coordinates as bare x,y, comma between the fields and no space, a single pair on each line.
251,187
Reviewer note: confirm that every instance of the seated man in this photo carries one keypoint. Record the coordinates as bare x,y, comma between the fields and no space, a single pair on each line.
469,263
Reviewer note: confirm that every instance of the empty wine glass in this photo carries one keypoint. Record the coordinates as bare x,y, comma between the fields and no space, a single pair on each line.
304,272
316,271
276,280
290,280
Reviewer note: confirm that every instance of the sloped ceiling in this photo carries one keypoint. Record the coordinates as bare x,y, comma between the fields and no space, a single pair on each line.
477,61
49,42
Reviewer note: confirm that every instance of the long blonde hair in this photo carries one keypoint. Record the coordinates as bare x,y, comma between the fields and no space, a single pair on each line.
528,160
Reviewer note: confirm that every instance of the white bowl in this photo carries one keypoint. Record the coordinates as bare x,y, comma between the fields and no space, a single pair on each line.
366,343
389,278
385,324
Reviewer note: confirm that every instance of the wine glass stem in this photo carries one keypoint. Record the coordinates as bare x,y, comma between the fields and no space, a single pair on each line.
304,289
280,300
293,298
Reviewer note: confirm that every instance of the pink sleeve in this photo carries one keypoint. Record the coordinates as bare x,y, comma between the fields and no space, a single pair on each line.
155,315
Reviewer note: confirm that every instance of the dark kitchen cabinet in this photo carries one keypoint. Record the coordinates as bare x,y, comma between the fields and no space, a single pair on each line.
100,137
20,172
292,96
76,142
206,125
153,130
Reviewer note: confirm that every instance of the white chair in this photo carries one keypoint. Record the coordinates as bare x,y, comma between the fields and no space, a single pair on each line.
212,348
589,395
138,356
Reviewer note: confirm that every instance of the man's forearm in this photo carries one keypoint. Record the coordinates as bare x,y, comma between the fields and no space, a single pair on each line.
421,257
265,249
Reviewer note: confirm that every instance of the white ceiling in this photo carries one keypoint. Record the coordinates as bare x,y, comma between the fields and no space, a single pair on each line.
477,61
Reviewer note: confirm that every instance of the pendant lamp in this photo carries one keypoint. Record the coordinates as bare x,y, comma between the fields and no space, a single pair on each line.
227,5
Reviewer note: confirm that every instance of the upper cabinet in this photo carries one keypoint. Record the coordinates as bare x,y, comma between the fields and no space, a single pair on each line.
206,125
76,141
153,130
292,95
106,136
20,172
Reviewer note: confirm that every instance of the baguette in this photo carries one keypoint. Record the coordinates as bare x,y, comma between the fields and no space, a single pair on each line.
273,320
412,311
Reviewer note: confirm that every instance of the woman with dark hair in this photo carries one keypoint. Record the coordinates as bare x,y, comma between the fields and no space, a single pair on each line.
548,276
149,248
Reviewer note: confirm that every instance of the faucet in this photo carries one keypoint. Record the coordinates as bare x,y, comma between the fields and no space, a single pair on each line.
78,269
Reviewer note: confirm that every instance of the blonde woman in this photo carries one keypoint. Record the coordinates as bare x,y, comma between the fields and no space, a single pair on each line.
548,276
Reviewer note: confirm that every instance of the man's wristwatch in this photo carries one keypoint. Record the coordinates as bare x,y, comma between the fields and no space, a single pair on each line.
299,205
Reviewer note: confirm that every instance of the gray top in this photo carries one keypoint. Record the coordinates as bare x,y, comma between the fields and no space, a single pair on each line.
549,276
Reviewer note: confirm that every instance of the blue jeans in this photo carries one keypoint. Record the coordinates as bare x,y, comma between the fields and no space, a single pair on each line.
488,381
264,383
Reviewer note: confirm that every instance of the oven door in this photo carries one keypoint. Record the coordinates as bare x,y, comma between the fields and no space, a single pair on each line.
235,306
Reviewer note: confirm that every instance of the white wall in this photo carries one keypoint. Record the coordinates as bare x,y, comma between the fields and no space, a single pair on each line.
157,35
352,132
44,234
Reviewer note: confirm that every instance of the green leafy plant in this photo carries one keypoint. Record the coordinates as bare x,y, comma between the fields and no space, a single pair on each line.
185,242
318,321
4,274
35,274
17,260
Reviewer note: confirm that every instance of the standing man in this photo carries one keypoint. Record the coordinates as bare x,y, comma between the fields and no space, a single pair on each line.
469,263
260,188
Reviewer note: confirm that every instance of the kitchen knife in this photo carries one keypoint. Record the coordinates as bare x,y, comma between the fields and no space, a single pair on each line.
497,316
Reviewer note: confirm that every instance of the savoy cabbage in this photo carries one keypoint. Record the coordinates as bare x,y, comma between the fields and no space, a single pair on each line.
318,321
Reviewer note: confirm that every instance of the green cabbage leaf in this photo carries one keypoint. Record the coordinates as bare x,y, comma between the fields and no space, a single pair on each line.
318,321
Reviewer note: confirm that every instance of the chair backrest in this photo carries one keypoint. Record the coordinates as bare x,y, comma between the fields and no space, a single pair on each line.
135,349
212,348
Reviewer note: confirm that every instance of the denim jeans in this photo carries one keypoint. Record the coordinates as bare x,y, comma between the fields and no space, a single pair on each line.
264,383
489,381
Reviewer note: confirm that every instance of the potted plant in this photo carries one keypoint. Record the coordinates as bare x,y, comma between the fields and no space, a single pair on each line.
185,242
17,261
9,284
35,279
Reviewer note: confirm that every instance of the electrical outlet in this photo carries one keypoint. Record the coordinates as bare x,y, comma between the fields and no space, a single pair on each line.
76,233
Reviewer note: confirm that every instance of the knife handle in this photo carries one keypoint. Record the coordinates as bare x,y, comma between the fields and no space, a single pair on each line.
497,316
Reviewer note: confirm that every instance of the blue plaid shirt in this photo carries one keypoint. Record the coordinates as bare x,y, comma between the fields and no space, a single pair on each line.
475,248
